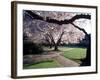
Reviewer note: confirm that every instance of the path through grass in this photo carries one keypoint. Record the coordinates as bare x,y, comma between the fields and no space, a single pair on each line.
75,54
43,64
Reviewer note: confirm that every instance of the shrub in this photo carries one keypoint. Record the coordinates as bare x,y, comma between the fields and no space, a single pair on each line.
32,48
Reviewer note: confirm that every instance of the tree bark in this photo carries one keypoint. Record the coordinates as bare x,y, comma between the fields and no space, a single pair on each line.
87,60
50,45
58,41
60,22
56,47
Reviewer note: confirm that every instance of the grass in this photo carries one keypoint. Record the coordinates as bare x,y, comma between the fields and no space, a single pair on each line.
72,53
75,54
43,64
60,48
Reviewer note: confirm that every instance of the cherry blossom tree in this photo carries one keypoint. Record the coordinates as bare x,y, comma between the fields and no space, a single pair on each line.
52,29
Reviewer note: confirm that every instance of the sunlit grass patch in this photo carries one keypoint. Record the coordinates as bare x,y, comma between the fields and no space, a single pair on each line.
75,54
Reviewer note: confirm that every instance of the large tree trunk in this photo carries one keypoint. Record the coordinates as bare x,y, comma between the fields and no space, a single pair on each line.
87,60
56,47
50,45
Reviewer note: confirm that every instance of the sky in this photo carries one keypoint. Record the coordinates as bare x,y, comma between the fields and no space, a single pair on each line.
85,24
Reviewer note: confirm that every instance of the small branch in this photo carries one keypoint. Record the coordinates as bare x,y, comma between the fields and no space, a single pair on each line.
59,40
51,37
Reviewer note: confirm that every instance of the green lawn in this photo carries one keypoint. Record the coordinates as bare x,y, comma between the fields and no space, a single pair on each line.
43,64
72,53
59,48
75,53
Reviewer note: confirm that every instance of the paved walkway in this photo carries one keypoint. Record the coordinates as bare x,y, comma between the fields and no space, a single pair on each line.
65,62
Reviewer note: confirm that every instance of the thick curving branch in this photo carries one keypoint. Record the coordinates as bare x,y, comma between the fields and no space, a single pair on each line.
60,22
